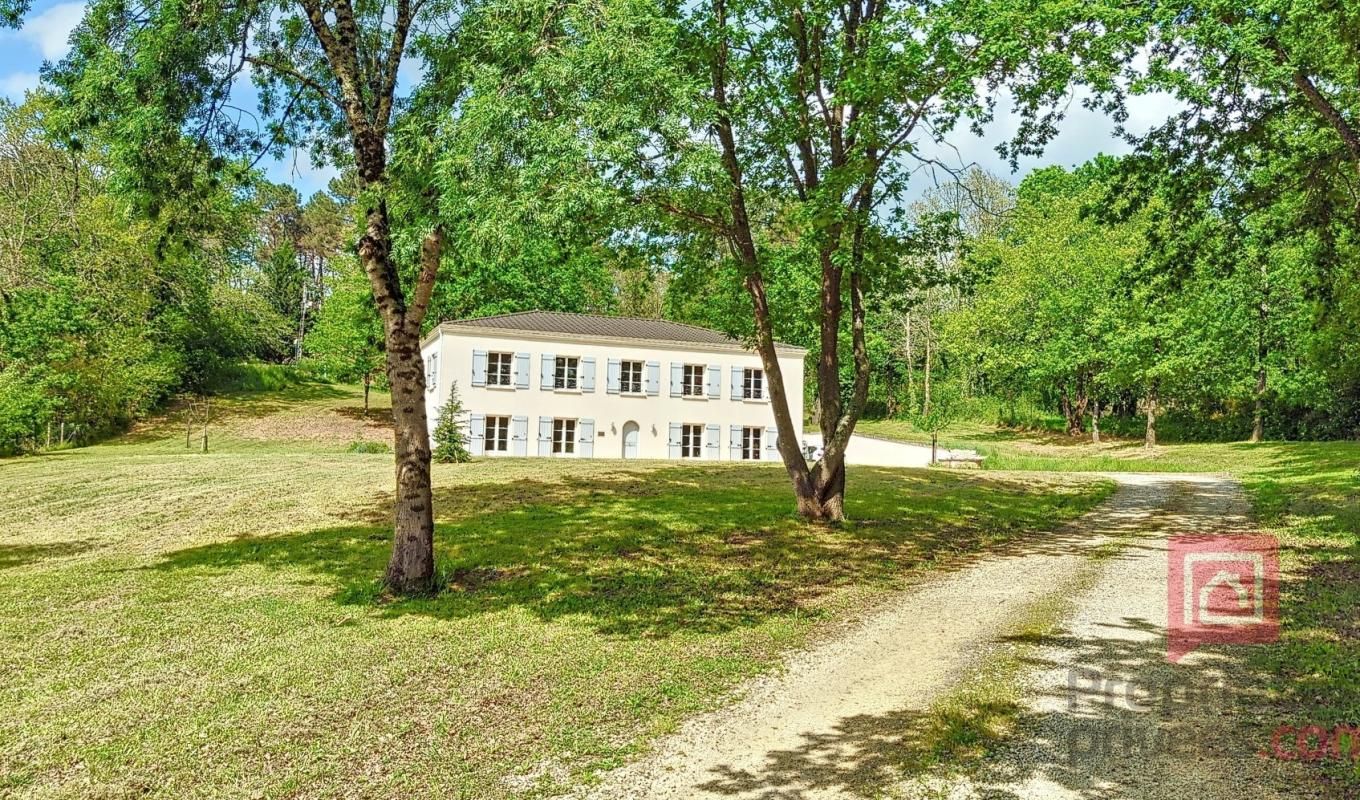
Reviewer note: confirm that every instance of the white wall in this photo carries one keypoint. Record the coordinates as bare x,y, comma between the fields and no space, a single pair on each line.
654,413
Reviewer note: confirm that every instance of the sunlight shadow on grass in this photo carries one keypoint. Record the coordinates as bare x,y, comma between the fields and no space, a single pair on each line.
651,554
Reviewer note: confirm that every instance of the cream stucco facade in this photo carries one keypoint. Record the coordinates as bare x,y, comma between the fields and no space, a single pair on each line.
629,399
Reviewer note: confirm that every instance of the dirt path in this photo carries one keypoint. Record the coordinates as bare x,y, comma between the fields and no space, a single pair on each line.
1109,717
838,721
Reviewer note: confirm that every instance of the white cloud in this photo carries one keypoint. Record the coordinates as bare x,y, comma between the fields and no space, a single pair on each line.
50,31
15,84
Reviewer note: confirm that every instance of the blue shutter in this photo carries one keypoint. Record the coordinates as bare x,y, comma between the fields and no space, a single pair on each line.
545,436
674,440
737,376
714,382
653,378
477,434
772,442
585,430
519,436
734,442
712,440
478,367
677,378
612,376
588,374
548,372
521,370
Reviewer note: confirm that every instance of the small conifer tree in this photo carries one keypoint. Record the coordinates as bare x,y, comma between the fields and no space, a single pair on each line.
449,445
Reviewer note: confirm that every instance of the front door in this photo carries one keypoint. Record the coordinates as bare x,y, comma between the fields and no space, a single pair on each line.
630,440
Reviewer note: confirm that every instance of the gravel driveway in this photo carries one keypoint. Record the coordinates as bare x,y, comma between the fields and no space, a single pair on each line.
835,722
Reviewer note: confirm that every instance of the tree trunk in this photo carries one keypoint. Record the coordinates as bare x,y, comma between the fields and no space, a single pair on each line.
411,568
911,369
934,445
1258,414
1150,407
1095,422
368,384
1072,413
925,385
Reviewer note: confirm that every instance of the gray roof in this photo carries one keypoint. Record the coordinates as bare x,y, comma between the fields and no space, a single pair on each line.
597,325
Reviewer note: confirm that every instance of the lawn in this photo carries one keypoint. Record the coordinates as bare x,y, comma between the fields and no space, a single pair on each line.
180,624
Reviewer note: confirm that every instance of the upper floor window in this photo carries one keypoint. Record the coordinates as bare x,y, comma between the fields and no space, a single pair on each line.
500,369
565,372
564,436
753,384
630,377
497,434
432,372
692,384
691,440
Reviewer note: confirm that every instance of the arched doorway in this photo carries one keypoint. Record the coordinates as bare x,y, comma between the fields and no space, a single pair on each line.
630,439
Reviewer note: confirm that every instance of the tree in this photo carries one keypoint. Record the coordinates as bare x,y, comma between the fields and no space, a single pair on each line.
783,136
346,339
102,315
450,443
157,78
944,411
1051,312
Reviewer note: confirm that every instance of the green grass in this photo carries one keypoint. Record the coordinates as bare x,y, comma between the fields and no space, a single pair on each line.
173,623
1313,673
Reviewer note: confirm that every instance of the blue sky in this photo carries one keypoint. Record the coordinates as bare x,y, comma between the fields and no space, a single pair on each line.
1084,134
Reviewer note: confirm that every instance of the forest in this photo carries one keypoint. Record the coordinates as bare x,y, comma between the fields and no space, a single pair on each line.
761,169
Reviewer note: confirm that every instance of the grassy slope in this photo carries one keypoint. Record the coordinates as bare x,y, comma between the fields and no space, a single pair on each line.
1305,493
183,624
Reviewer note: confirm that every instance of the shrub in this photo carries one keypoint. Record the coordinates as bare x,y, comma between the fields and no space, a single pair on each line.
449,445
369,447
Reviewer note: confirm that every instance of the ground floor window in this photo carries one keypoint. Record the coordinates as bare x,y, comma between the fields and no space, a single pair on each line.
564,436
497,434
750,443
691,441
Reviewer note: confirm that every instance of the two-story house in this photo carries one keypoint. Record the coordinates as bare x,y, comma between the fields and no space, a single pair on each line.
542,383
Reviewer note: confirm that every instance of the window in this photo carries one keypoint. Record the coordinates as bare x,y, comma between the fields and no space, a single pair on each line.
500,369
750,443
691,441
564,436
630,377
497,434
431,372
566,369
693,383
753,384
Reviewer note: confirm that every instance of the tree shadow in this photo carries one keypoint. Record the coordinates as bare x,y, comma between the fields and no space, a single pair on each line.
652,553
18,555
1123,723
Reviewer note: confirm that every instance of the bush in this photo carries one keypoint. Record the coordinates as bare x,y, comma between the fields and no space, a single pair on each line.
369,447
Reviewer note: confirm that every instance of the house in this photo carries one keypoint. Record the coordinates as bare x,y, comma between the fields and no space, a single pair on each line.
543,383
